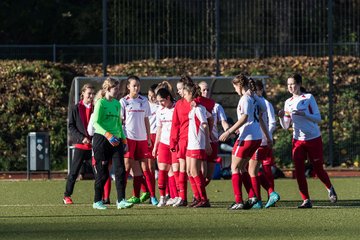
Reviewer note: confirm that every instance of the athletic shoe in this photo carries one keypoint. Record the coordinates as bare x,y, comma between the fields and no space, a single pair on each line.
273,198
144,196
124,204
306,204
194,202
67,200
106,201
154,201
250,203
134,200
258,205
236,206
171,201
180,203
162,202
332,195
99,205
203,204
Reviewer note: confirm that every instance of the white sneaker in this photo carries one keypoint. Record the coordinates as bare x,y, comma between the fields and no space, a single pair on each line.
177,202
332,195
162,202
171,201
236,206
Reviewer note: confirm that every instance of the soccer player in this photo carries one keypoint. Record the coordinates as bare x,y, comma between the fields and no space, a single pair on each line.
109,143
135,114
179,136
78,121
302,113
219,116
263,154
248,141
198,147
161,146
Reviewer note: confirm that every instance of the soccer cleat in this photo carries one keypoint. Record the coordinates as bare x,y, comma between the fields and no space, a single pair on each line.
124,204
106,201
258,205
162,202
144,196
171,201
134,200
67,200
203,204
154,201
273,198
332,195
236,206
180,203
194,202
306,204
99,205
250,203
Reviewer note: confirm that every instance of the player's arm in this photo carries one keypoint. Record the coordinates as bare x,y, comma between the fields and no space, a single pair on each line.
175,129
74,131
147,126
285,117
242,120
315,114
271,117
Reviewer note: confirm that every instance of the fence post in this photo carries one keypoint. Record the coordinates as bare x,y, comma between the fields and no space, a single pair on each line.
54,52
217,36
330,75
104,36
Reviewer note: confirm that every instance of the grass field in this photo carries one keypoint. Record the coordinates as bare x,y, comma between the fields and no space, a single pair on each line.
34,210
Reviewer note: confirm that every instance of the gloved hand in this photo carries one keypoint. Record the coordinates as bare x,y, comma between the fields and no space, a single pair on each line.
114,141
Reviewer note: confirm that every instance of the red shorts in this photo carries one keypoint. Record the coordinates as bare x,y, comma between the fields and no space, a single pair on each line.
261,153
197,154
137,149
165,155
153,138
309,148
269,160
215,151
181,153
245,148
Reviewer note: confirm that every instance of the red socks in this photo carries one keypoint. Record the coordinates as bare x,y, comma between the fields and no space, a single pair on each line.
172,187
162,182
200,184
149,182
236,179
183,185
194,187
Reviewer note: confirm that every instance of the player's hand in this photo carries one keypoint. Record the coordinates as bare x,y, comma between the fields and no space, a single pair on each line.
281,113
223,137
86,140
154,152
114,141
149,143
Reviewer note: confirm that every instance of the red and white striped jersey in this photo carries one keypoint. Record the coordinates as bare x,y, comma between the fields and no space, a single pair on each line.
133,113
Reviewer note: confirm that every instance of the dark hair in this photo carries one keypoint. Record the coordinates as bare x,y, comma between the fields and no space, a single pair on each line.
260,86
298,80
244,81
185,79
153,87
164,93
132,77
193,88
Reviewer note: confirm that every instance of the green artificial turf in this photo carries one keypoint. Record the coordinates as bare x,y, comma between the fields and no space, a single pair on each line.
34,210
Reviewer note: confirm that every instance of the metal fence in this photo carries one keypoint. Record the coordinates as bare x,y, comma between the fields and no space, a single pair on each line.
212,29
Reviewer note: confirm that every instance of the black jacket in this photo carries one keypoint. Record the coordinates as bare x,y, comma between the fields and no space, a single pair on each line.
76,127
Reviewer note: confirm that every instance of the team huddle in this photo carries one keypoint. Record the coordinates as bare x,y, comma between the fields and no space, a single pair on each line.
134,134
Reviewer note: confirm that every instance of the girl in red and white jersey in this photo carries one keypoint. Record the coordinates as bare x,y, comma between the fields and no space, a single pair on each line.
135,113
162,143
249,140
263,154
218,116
302,113
198,146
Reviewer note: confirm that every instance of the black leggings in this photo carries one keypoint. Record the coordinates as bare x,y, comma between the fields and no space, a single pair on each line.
103,153
80,155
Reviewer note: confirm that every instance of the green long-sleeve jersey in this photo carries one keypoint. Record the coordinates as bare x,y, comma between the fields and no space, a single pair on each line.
107,117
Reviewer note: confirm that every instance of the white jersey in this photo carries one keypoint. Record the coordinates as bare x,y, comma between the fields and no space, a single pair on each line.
152,118
164,120
196,135
133,113
251,129
90,127
269,120
304,128
218,115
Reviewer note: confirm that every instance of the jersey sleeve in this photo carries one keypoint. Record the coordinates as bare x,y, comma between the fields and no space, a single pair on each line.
245,106
313,110
122,109
200,113
147,109
271,117
221,113
122,134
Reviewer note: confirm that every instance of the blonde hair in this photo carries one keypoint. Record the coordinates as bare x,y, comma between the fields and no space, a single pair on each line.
165,84
98,96
108,84
83,89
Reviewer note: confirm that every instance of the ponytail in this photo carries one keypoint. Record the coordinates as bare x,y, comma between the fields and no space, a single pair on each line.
164,93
